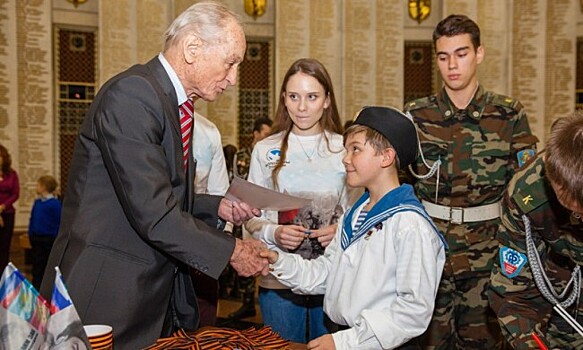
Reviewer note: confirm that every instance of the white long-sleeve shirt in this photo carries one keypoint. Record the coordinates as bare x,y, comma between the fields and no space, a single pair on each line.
211,168
383,286
311,171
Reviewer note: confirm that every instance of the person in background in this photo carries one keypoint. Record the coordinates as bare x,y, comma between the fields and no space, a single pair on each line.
541,245
261,129
472,142
211,177
302,157
380,274
132,226
245,286
211,170
45,218
9,192
229,152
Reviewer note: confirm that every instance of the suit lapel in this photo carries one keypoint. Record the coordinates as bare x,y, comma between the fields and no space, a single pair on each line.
171,105
171,108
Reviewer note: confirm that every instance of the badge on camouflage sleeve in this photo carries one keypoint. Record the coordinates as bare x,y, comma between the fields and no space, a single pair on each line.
524,155
511,262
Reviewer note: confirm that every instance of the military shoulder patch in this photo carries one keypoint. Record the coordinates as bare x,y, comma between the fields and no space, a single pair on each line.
504,101
420,103
511,261
530,197
524,155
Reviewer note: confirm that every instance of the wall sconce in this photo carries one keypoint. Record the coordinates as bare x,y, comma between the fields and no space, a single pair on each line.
77,2
255,8
419,10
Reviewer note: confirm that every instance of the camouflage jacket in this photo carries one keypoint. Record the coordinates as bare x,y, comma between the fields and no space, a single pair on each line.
558,235
478,146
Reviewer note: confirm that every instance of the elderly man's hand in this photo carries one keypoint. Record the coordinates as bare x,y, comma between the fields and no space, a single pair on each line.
237,212
246,259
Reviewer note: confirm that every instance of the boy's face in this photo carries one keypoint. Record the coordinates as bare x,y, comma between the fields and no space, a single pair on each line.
457,60
362,163
39,188
572,205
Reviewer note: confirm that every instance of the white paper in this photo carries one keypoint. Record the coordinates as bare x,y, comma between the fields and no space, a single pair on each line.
263,198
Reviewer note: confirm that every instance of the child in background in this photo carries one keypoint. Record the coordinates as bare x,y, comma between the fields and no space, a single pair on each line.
381,272
45,218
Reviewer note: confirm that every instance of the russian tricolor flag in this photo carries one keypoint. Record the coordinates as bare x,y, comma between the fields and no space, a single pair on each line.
60,298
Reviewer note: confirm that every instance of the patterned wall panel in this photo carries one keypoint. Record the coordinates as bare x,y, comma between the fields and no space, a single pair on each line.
254,90
360,53
35,98
560,62
528,62
418,62
75,70
153,19
118,33
389,55
8,77
325,42
494,22
293,35
579,80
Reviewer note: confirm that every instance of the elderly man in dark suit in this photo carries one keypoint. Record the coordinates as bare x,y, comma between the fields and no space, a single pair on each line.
131,224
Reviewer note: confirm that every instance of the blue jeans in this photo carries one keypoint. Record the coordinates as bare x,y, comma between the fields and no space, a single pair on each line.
297,318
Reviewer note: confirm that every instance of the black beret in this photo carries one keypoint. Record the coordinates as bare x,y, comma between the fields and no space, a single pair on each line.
396,127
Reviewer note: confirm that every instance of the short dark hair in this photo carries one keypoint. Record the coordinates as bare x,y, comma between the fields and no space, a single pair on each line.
259,122
454,25
563,163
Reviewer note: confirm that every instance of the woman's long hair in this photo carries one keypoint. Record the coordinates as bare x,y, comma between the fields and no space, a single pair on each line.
6,161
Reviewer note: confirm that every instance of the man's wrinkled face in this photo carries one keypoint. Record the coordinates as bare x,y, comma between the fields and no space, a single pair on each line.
214,65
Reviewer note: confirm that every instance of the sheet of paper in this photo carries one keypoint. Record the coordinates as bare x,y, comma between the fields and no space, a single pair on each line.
261,197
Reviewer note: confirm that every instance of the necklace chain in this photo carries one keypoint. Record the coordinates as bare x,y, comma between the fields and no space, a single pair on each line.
309,156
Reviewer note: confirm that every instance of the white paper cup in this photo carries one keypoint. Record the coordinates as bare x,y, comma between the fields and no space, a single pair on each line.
100,336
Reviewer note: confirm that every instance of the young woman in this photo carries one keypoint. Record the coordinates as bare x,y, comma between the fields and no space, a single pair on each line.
9,192
302,157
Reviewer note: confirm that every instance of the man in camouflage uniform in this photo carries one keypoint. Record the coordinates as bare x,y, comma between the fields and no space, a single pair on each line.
548,194
475,140
241,162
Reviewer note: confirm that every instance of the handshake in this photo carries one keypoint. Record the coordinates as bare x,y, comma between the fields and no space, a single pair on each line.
249,258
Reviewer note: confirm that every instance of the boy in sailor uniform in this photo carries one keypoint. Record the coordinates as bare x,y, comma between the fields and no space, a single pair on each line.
381,271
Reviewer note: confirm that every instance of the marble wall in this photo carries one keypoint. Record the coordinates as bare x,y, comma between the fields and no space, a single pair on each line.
530,55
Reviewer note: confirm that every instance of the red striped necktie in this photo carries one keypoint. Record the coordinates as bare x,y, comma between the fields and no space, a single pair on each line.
186,121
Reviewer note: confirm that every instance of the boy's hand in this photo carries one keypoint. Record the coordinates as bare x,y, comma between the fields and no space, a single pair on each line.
325,234
289,236
325,342
271,255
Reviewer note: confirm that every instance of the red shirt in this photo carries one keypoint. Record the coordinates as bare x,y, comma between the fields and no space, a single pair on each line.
9,191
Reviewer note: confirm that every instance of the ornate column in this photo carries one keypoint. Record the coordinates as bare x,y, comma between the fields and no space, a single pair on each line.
373,54
313,31
35,143
560,65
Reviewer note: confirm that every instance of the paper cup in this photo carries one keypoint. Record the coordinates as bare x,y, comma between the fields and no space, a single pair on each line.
100,336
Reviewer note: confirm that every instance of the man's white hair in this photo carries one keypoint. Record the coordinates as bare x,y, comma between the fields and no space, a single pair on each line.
205,19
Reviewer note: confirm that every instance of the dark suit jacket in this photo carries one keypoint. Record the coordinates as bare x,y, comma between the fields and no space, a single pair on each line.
129,212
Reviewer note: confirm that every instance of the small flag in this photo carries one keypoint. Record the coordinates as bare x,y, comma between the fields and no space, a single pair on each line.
23,312
64,326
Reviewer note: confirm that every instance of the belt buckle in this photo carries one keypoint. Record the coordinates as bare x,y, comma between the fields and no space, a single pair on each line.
456,215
